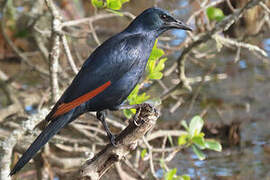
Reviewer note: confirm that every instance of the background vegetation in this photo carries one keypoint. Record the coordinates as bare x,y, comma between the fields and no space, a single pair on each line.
211,85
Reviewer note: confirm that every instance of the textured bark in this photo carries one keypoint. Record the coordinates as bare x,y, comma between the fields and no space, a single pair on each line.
126,141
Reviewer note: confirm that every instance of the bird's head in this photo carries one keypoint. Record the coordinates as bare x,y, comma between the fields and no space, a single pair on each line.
156,20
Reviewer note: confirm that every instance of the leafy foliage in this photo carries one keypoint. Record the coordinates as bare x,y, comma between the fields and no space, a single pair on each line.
155,66
109,4
214,14
195,138
171,174
143,153
135,98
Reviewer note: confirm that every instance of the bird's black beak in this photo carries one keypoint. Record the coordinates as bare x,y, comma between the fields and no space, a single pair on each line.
179,25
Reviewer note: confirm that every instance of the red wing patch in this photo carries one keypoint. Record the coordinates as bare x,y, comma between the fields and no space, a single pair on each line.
66,107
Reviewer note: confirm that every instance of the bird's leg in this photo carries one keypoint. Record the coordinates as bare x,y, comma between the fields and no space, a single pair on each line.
101,116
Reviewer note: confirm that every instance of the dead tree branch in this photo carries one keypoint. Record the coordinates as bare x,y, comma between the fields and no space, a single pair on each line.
126,141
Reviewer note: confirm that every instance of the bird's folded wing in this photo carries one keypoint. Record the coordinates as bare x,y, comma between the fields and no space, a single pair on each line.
105,66
66,107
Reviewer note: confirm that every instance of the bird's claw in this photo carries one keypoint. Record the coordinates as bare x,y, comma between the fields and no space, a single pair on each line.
113,140
136,119
137,123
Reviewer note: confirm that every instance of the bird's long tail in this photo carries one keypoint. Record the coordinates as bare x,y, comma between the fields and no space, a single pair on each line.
52,128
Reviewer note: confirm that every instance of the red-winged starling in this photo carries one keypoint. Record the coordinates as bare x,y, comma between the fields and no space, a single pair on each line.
107,77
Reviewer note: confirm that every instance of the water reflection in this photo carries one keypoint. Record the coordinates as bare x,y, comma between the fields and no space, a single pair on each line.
266,45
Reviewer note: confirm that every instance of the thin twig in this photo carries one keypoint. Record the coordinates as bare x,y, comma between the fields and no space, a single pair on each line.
55,49
95,18
68,54
264,6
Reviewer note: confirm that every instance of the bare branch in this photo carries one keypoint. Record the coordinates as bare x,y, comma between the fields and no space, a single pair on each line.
95,18
126,141
55,49
68,53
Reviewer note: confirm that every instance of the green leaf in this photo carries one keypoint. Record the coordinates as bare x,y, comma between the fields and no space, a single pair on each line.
154,66
156,52
151,66
133,95
195,125
199,141
135,98
128,113
184,124
114,4
185,177
182,139
141,98
124,1
214,14
143,153
155,75
170,174
213,145
161,64
97,3
198,152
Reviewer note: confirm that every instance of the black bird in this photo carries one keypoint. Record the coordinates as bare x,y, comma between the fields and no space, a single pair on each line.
107,77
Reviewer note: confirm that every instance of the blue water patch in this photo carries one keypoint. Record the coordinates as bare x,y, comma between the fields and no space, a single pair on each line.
183,3
266,45
20,9
183,11
30,109
180,37
242,64
223,172
159,173
199,163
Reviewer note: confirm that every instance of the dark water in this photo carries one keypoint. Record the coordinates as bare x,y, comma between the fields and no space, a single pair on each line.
244,96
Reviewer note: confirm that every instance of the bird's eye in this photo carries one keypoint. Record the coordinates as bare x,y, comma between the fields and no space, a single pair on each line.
164,17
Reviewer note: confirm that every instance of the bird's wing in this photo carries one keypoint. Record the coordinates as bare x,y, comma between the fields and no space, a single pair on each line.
106,65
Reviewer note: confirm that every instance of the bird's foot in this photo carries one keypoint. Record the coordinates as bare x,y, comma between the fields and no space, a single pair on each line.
101,117
112,139
136,118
